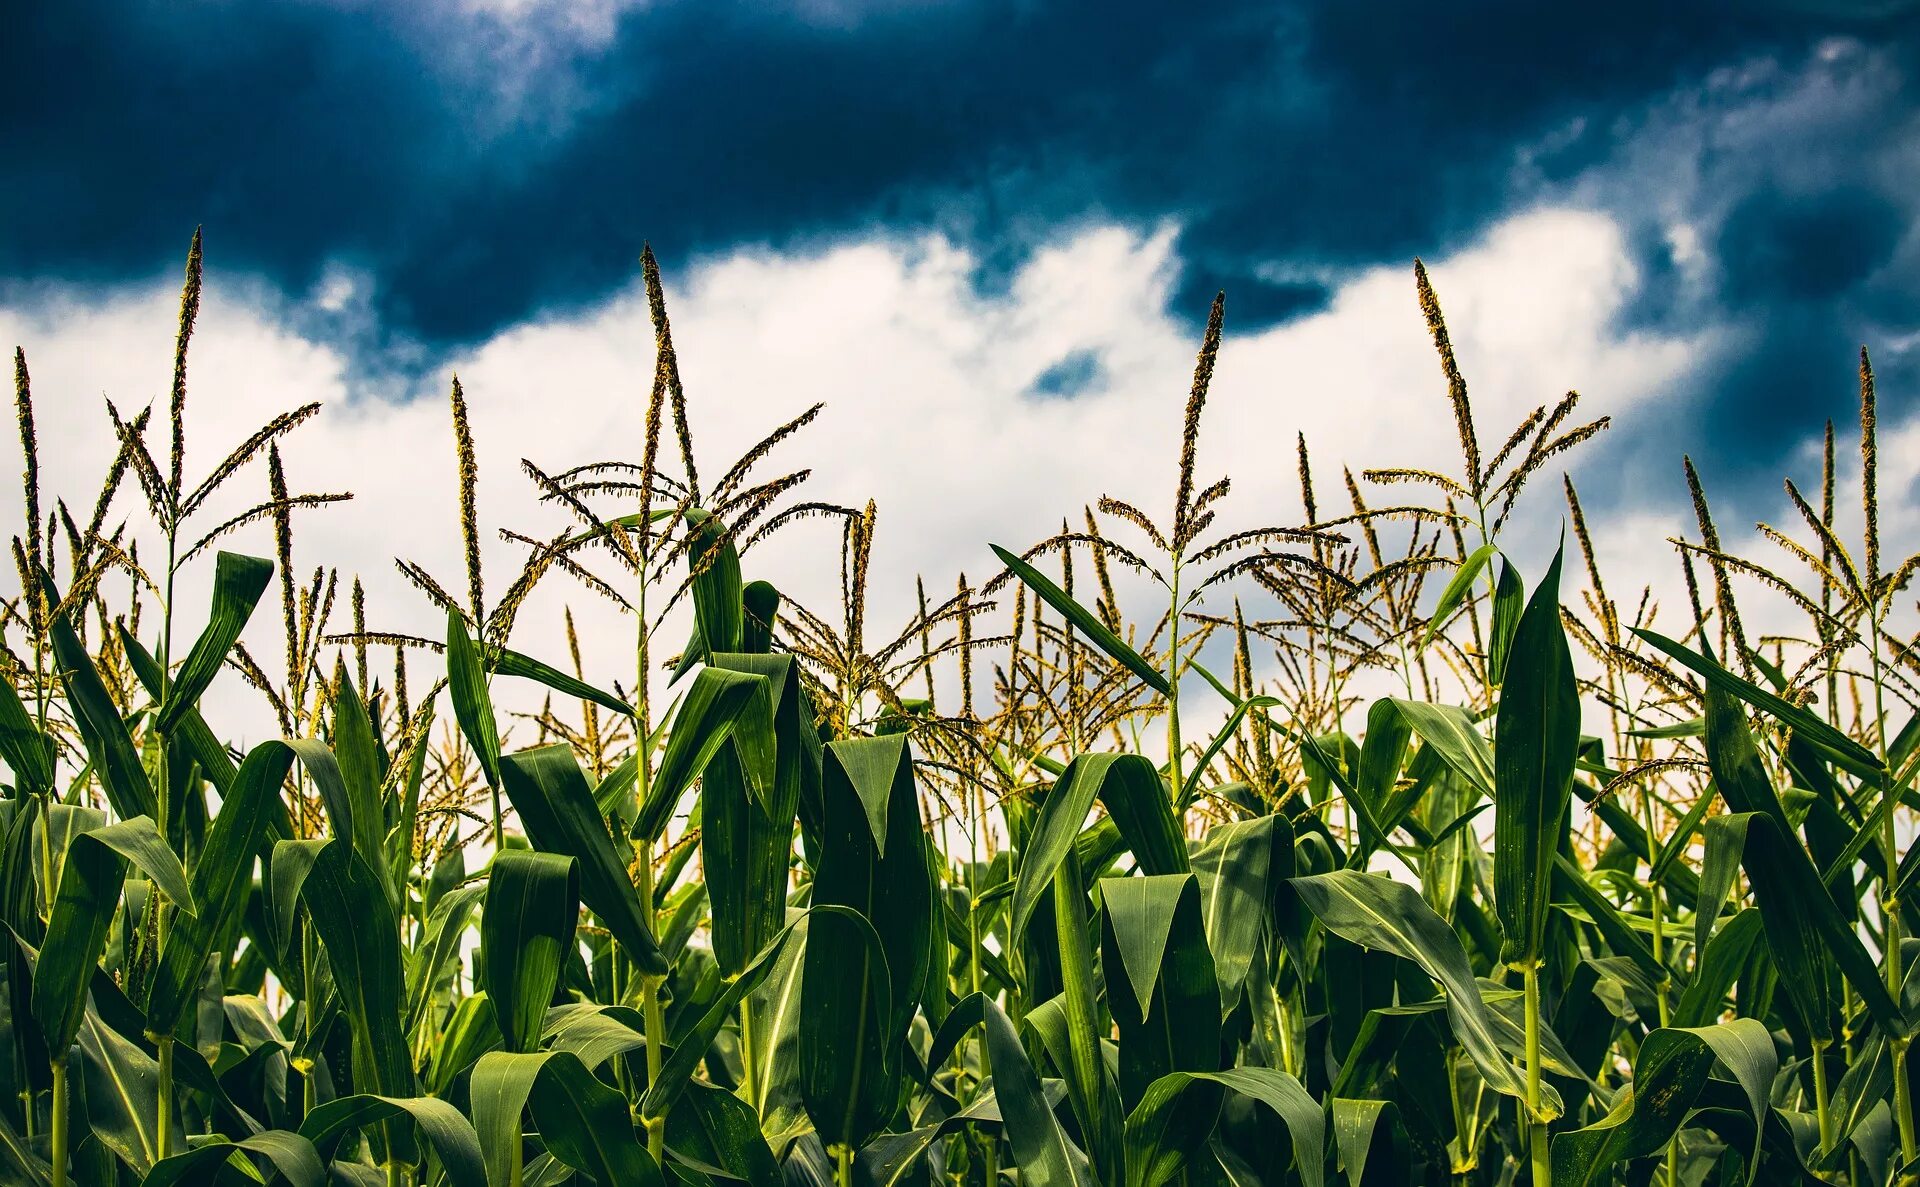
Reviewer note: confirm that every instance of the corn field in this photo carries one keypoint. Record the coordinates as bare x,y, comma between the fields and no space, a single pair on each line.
1452,873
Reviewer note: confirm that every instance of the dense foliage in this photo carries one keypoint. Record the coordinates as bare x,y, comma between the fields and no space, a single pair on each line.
1456,874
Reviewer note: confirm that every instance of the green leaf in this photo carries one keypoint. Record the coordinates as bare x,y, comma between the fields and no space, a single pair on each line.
1239,865
526,936
1536,739
238,582
722,704
439,945
76,936
351,915
22,745
292,1155
1451,733
1668,1075
714,563
356,752
222,880
1380,913
861,996
1507,594
694,1044
1159,1131
1164,1006
472,703
1083,620
1355,1122
584,1123
1128,785
450,1134
1041,1149
1830,741
746,847
110,748
1457,590
511,663
555,805
1806,930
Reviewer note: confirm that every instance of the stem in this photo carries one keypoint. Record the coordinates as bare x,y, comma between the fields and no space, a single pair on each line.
652,1015
1537,1147
165,1043
1820,1094
748,1078
843,1165
1173,686
59,1135
162,786
1890,908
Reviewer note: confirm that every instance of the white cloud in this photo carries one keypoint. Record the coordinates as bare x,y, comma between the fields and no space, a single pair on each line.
925,381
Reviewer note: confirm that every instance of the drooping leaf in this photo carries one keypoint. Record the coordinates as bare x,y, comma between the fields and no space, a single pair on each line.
551,796
1155,1142
1380,913
238,582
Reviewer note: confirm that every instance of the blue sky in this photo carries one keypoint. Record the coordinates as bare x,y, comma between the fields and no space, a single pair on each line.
1708,207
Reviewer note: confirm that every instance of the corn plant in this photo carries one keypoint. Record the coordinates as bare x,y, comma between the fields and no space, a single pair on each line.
1462,874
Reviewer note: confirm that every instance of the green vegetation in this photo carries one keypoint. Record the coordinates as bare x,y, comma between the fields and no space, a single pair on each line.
1025,893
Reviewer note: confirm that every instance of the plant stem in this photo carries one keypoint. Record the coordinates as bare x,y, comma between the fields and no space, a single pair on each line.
165,1044
1537,1148
652,1015
1173,685
59,1134
1820,1094
843,1165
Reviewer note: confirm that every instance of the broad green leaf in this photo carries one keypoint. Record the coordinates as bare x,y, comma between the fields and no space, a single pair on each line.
551,796
22,745
1163,1008
1128,785
1044,1154
292,1155
1236,865
351,915
439,945
472,703
584,1123
1380,913
526,935
1668,1075
1536,737
1457,589
76,936
1155,1140
1450,731
722,704
746,847
451,1135
238,582
1806,930
110,748
862,998
222,880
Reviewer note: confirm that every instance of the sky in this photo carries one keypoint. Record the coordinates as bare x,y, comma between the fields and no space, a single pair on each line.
985,234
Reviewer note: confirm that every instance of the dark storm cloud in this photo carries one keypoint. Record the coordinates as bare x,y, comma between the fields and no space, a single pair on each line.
478,178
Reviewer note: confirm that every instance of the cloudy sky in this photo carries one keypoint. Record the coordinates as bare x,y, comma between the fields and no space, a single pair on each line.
986,234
